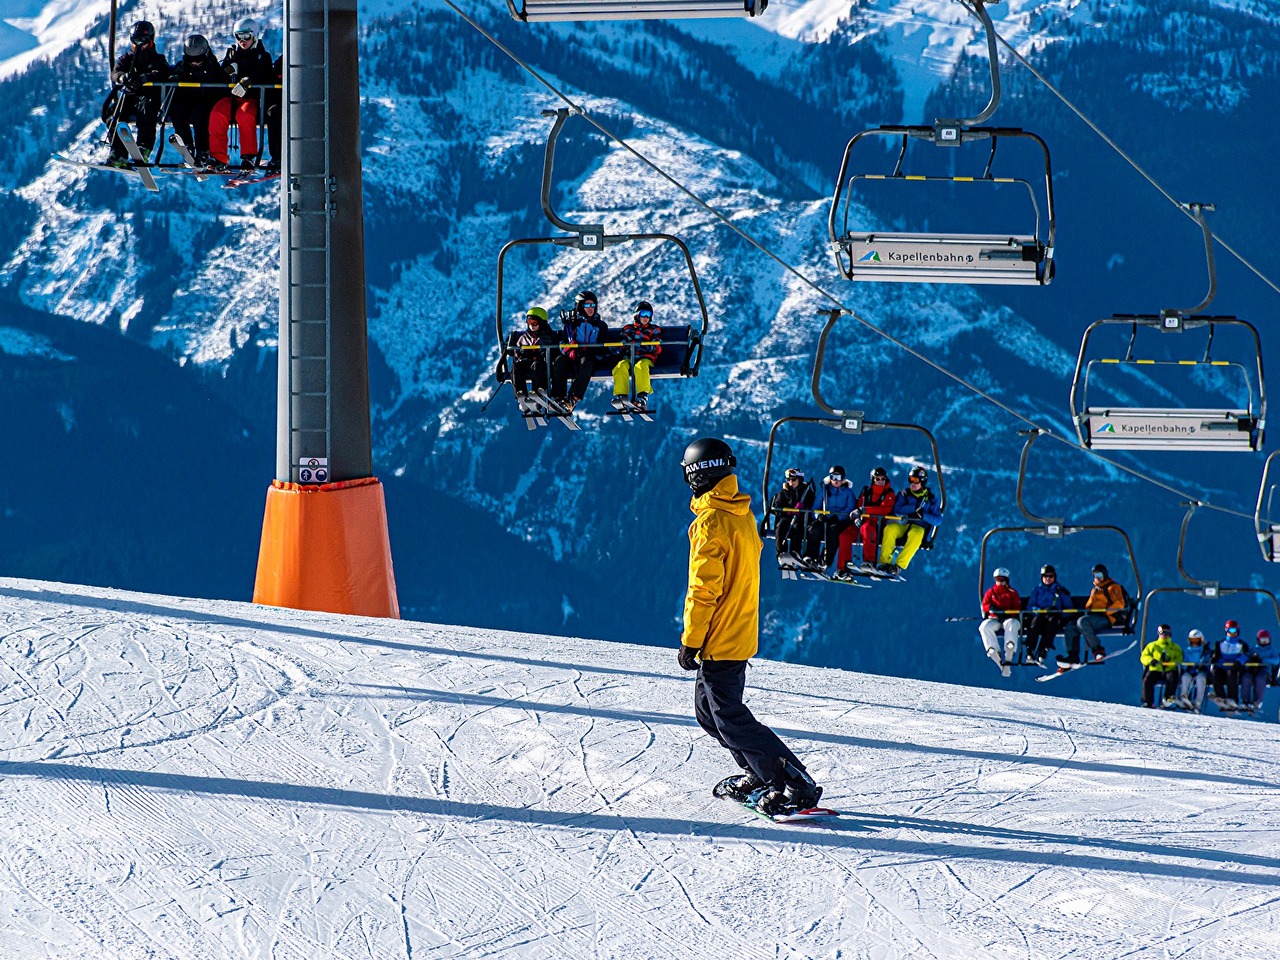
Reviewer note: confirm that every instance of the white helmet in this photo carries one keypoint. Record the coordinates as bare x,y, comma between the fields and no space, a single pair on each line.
1001,572
246,25
1195,635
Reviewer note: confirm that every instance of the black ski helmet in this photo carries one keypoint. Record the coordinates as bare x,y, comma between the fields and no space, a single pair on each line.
585,296
142,32
879,473
1100,568
706,462
196,46
1047,570
918,473
643,305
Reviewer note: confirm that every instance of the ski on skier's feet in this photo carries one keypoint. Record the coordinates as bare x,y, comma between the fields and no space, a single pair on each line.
1231,707
140,163
246,177
537,408
177,143
89,164
628,409
1064,668
794,568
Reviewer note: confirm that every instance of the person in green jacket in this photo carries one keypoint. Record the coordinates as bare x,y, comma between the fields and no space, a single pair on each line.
1160,661
722,631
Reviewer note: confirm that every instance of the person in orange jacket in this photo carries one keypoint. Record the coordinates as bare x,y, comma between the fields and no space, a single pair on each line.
1106,606
1000,608
721,633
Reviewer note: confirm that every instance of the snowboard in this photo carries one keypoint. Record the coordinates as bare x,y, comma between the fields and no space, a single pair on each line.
1069,667
811,815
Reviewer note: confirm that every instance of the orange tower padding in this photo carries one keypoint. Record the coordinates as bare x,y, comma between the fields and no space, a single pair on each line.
327,548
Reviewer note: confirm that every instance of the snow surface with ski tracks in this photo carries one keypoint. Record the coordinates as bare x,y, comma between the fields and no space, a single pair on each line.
188,778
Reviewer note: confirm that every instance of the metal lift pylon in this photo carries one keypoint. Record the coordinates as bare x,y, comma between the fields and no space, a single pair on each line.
325,544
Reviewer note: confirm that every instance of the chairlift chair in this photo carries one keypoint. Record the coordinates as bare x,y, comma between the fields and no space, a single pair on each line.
681,343
1057,529
1024,258
1239,427
535,11
1267,528
1205,589
850,423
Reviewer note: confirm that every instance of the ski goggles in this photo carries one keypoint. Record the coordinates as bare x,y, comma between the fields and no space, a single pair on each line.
244,35
646,314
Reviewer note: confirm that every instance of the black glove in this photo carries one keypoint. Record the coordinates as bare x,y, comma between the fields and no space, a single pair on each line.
132,83
687,657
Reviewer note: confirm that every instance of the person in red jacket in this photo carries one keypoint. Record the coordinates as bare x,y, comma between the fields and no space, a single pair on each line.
874,502
1000,607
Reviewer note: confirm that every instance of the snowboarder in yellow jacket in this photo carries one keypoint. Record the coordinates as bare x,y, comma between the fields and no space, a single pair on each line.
1160,661
721,633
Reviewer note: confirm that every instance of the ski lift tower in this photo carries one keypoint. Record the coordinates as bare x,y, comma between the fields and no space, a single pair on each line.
325,544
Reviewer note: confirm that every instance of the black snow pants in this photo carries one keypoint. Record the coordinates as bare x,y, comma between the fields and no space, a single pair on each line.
717,703
1040,633
1153,678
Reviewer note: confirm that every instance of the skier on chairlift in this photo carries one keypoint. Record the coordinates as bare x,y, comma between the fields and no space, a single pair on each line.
918,508
1259,671
791,505
1194,673
644,334
839,503
190,108
1160,659
531,364
1000,607
579,357
1045,616
130,99
875,501
1106,608
249,66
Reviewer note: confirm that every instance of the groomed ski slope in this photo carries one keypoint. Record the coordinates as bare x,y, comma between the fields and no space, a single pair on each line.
201,779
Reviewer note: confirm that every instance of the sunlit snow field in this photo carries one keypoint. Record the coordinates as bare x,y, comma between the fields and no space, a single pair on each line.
200,779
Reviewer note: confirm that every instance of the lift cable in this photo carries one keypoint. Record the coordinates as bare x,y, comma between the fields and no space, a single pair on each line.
1119,150
817,288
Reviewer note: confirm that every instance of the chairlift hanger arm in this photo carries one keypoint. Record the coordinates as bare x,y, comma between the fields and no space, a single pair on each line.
993,58
815,386
561,115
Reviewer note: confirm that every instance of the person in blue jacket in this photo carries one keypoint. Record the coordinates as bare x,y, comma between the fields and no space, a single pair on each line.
1046,614
920,513
1259,670
1194,672
839,502
1229,655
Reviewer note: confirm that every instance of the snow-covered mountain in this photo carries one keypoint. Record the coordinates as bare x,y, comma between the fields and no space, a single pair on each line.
752,117
196,779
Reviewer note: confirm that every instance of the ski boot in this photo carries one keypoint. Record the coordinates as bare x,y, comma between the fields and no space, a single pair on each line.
249,162
740,787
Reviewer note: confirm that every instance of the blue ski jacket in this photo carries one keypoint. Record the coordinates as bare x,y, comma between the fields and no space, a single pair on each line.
1197,659
1053,597
918,506
841,500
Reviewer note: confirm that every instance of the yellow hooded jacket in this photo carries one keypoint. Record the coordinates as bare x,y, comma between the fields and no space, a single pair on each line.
722,606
